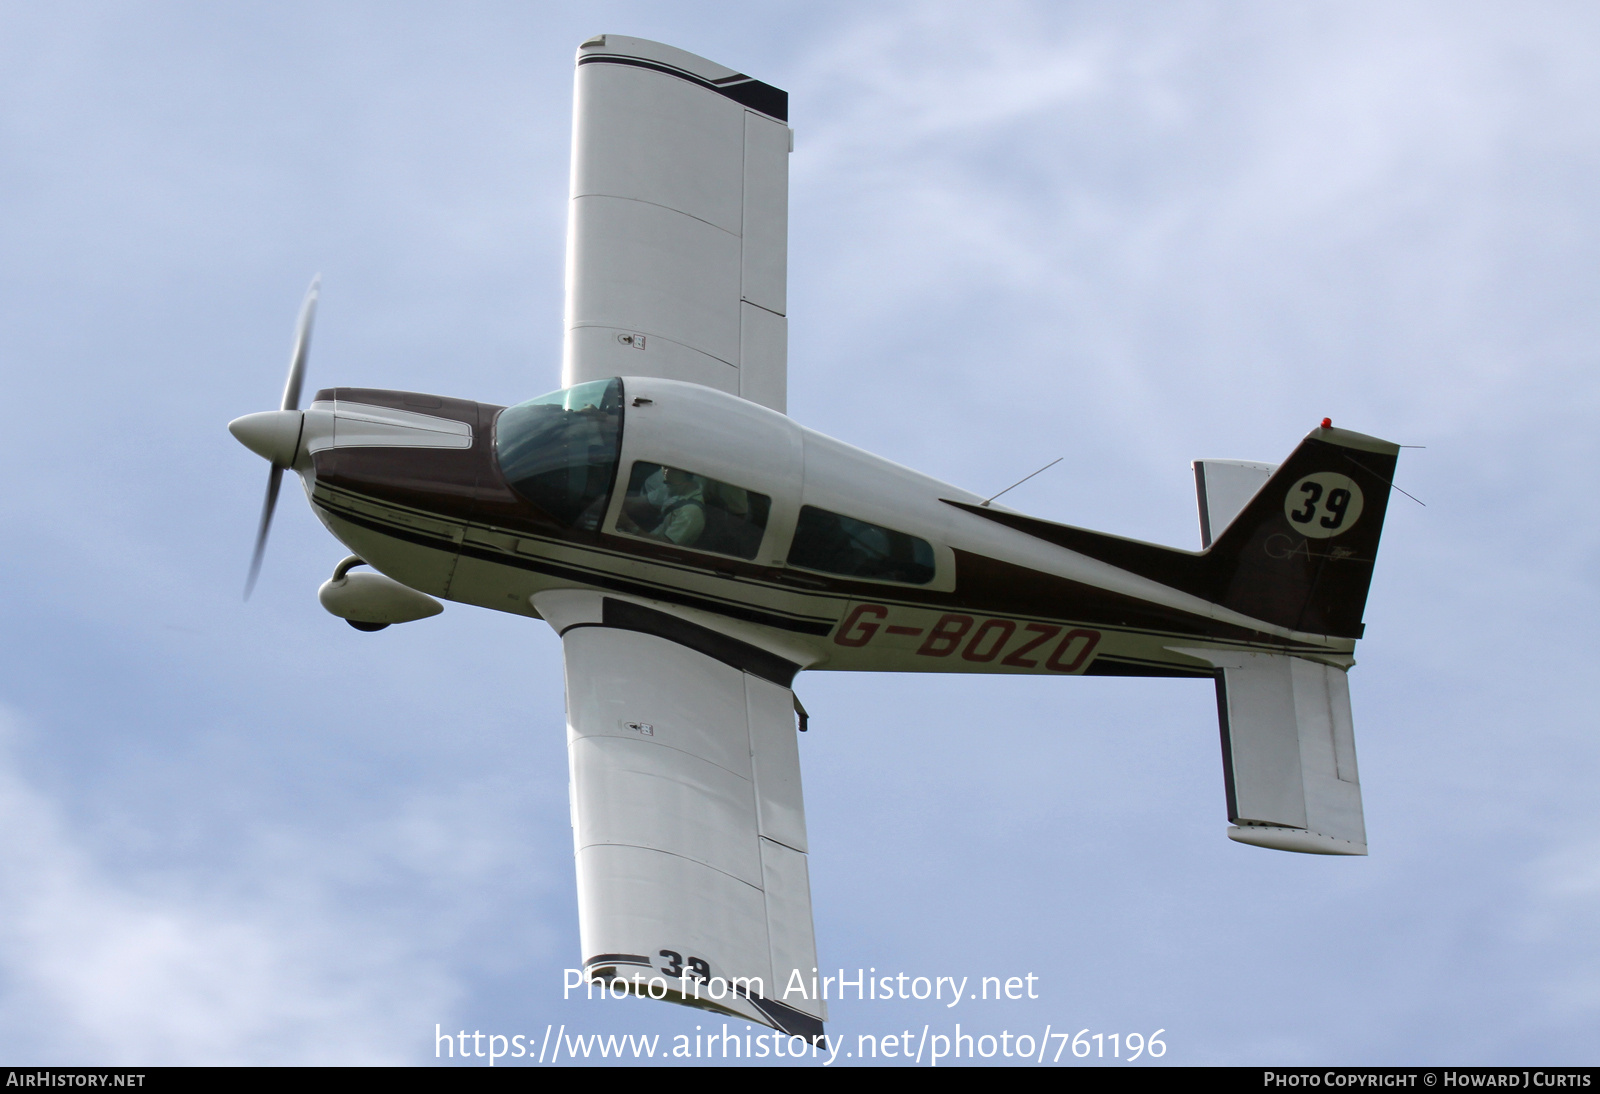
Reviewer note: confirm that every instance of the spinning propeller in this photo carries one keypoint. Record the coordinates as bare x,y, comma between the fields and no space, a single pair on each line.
275,434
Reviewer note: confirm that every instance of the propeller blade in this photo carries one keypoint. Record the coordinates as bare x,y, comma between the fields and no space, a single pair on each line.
302,346
291,401
274,481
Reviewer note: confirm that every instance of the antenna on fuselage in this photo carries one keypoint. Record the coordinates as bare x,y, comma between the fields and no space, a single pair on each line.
1025,478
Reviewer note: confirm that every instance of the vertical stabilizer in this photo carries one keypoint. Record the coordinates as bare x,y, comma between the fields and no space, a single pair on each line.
1300,553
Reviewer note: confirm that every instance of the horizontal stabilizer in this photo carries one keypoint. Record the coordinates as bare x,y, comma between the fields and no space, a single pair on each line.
1224,488
1288,753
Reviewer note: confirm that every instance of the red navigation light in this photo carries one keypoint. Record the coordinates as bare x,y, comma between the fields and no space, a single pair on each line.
1327,423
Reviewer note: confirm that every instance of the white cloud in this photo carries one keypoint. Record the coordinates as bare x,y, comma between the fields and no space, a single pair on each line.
269,958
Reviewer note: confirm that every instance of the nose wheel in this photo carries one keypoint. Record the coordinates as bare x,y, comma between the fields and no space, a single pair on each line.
370,601
339,572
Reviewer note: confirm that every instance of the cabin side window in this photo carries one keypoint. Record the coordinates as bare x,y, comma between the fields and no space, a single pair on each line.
695,511
837,544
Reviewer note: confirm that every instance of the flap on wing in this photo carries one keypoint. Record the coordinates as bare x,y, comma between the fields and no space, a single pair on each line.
689,828
677,234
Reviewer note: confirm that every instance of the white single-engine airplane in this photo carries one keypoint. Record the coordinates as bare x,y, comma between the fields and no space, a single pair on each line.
695,549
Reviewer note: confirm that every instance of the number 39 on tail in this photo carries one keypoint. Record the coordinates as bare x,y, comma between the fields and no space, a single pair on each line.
696,549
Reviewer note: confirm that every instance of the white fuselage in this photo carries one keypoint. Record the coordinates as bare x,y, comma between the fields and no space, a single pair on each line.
812,619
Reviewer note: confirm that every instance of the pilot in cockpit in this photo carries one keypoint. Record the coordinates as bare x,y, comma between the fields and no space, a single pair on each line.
670,505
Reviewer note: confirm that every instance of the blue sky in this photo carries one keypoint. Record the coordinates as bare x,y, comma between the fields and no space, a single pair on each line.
1130,236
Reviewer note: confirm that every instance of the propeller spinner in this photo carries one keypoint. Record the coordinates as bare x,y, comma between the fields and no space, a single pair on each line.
275,434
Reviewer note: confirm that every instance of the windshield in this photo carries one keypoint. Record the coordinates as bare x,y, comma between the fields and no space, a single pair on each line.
560,450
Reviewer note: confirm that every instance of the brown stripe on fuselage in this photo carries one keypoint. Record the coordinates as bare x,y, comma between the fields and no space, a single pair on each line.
989,586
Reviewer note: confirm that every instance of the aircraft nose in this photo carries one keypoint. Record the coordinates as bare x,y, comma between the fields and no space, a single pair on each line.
273,435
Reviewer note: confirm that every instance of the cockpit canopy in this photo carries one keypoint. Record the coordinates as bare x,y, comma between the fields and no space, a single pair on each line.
560,450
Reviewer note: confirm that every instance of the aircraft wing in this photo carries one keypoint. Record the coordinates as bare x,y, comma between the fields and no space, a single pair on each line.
687,815
677,232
